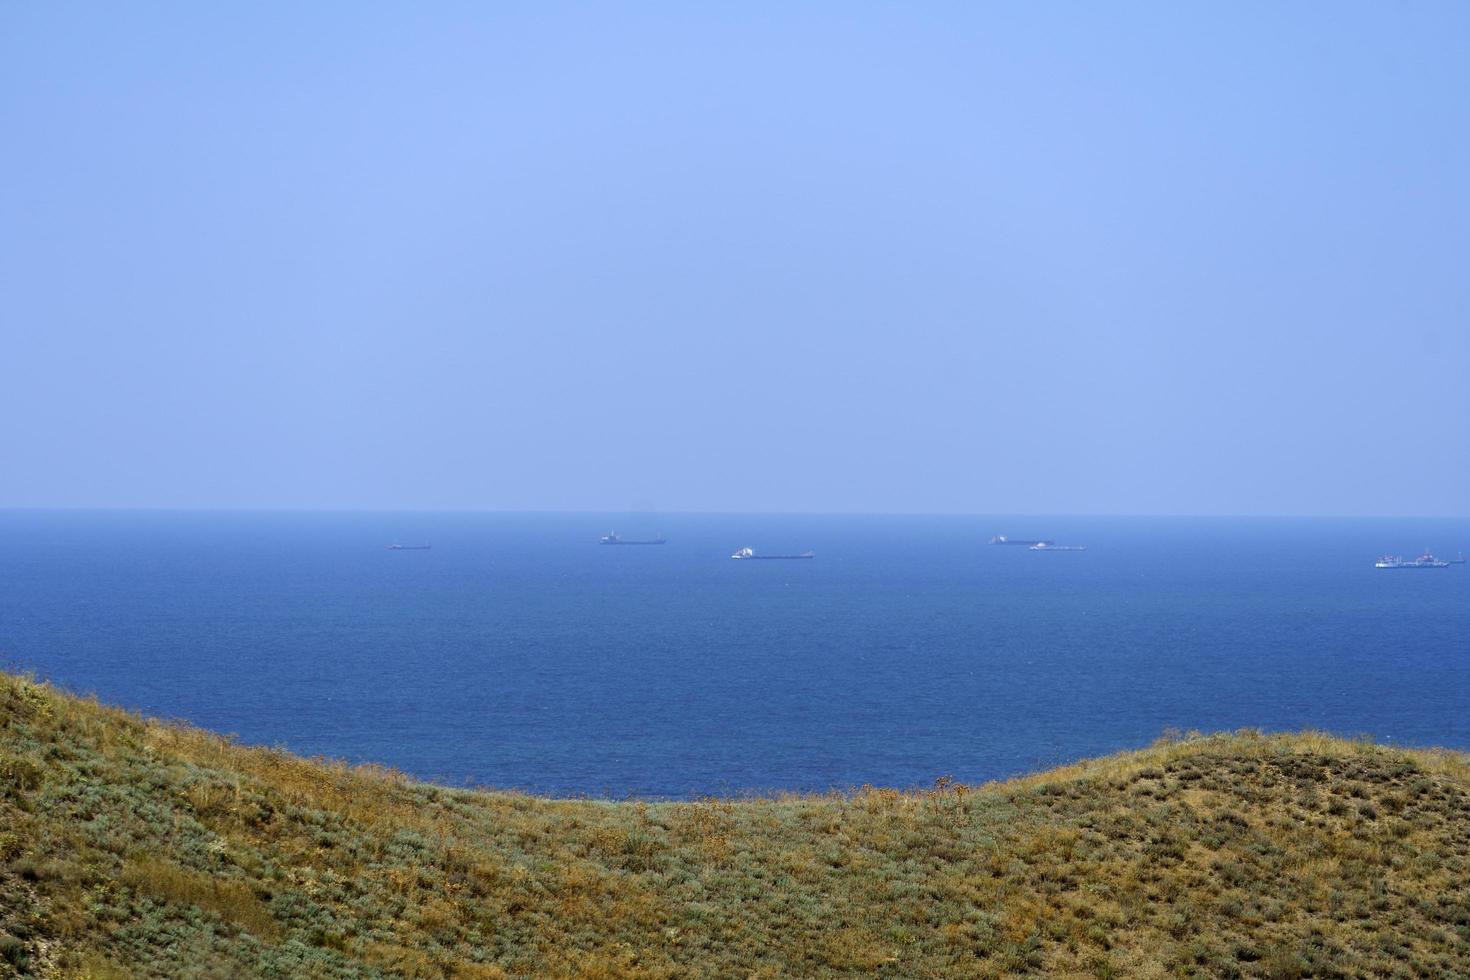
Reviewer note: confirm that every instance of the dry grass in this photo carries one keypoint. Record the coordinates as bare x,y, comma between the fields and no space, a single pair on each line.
233,901
131,848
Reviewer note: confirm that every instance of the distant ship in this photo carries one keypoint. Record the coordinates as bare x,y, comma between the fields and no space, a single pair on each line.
409,547
611,537
748,553
1028,542
1048,546
1426,560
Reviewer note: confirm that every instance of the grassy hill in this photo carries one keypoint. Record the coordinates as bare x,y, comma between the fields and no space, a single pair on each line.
132,848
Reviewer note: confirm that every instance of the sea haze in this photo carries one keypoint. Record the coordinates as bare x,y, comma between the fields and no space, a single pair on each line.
518,652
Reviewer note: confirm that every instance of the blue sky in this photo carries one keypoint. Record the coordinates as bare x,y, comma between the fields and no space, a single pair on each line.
1069,258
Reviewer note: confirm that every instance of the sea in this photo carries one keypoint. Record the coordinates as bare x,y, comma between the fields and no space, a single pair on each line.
519,653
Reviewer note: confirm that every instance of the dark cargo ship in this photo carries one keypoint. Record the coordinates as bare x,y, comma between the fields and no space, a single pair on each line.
747,553
611,537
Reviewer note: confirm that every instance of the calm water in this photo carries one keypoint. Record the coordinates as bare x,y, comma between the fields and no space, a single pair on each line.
520,653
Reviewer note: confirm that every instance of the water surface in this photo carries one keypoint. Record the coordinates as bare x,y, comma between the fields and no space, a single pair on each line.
520,653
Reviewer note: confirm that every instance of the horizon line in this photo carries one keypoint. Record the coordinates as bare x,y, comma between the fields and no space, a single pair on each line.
8,508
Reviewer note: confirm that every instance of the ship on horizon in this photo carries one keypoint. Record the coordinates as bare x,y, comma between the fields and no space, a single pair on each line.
1026,542
611,537
1049,546
1426,560
748,553
409,547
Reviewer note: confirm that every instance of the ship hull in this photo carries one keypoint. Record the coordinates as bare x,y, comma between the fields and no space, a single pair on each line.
773,557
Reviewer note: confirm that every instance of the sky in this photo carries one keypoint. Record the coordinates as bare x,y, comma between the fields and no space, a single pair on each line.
1123,258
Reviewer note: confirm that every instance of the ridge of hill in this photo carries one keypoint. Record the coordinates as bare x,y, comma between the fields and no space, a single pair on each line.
138,848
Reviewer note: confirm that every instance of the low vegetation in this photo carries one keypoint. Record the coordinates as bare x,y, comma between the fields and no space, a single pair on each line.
133,848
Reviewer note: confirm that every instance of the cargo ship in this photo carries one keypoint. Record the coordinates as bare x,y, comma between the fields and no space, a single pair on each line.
611,537
749,553
1027,542
1426,560
1048,546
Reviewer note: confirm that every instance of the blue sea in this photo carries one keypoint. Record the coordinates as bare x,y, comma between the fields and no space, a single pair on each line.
520,653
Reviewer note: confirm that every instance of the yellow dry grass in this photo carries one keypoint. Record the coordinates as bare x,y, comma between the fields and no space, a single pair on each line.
133,848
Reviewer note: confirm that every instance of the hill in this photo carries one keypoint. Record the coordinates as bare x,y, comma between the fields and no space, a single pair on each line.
135,848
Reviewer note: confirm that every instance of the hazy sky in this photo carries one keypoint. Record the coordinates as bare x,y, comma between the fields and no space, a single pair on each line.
1022,257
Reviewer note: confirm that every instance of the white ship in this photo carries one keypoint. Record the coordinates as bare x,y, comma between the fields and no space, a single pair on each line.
1426,560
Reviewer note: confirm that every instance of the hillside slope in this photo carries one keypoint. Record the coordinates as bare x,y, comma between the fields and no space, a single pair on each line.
131,848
